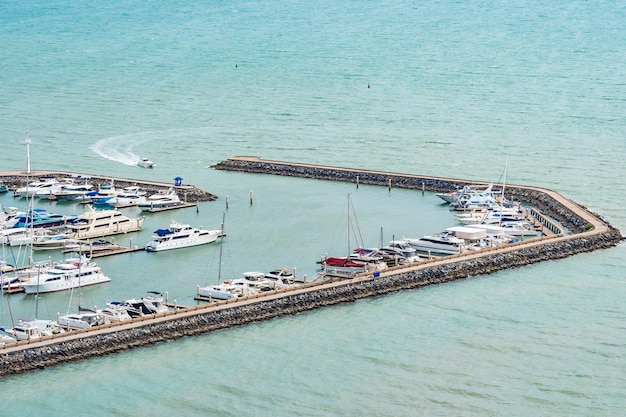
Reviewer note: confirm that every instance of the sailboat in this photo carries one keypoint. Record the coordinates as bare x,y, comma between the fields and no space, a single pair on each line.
85,317
28,329
353,263
4,336
221,290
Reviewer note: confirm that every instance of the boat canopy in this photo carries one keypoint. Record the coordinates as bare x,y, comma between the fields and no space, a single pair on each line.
163,232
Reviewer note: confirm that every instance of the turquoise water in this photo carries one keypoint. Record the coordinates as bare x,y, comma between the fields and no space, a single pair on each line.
454,88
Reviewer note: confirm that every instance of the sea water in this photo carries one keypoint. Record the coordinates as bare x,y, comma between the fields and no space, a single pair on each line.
442,88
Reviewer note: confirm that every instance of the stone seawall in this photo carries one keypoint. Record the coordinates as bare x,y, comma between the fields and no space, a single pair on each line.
206,318
532,196
587,233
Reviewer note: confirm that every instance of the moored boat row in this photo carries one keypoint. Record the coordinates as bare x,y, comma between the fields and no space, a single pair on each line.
116,311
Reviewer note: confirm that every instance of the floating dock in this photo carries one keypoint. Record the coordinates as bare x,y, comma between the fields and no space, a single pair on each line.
179,206
115,250
585,232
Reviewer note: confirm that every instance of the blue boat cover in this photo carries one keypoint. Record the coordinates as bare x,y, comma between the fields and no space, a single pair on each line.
163,232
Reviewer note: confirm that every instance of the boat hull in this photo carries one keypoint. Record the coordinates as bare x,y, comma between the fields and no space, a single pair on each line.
215,293
44,283
209,237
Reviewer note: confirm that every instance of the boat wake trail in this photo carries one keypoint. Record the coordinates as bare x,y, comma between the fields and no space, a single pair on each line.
119,148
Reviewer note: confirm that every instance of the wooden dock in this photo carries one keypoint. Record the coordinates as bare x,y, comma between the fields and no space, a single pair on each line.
183,205
99,253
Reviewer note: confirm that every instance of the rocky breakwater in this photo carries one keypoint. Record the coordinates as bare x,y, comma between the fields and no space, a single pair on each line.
542,199
587,233
203,319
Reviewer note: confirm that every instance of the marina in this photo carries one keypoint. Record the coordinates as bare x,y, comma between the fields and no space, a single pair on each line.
585,232
437,89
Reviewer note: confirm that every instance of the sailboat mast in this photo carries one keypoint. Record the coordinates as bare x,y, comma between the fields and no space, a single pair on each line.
348,237
506,169
27,154
219,265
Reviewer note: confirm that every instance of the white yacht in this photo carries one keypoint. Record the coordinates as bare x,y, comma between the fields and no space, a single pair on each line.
162,199
71,273
33,188
221,291
130,196
16,236
82,320
6,338
70,192
54,241
251,282
440,243
29,329
48,189
181,236
496,214
115,312
99,223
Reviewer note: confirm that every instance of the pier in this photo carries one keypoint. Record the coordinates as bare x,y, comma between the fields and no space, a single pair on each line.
586,232
189,194
179,206
108,251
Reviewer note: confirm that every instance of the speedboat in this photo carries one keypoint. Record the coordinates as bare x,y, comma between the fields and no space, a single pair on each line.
405,253
150,304
145,163
74,272
181,236
98,223
3,187
42,218
162,199
103,195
